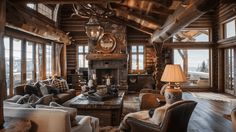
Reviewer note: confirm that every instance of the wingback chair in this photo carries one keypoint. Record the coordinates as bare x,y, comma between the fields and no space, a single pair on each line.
176,119
233,117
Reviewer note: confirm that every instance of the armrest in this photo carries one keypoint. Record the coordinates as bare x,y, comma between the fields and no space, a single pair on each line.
141,126
71,92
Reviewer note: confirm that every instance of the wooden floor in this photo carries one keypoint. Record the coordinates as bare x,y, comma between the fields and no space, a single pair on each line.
207,116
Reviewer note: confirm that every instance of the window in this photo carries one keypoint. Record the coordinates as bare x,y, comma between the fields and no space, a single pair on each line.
32,6
7,62
17,61
42,9
230,29
229,69
29,61
46,11
82,61
48,60
195,64
137,57
192,35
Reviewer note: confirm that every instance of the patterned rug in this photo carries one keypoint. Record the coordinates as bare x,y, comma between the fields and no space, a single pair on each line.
214,96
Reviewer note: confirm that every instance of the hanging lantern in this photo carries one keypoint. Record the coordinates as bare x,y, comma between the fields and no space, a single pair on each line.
93,28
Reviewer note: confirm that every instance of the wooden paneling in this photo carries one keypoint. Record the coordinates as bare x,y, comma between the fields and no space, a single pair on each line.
71,57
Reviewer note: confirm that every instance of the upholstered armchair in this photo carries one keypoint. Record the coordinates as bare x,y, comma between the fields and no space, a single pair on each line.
176,119
233,117
152,98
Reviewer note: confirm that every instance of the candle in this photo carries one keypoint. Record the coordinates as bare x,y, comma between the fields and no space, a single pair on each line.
94,77
108,81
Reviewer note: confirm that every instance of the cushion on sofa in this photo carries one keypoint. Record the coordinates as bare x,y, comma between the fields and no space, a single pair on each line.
60,84
33,89
63,97
11,104
14,99
72,111
23,100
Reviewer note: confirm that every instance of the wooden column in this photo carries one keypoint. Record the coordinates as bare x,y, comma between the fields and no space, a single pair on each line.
2,59
63,62
23,62
158,64
44,62
220,71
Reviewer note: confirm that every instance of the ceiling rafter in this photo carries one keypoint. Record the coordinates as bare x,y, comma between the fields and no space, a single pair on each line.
65,1
131,24
122,12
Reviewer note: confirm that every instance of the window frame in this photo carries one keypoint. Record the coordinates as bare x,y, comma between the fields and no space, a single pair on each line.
137,53
210,66
209,37
229,67
36,8
225,29
83,54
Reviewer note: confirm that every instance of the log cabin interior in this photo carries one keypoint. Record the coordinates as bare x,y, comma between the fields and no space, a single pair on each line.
117,65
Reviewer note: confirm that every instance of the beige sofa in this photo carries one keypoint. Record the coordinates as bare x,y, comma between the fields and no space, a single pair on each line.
52,120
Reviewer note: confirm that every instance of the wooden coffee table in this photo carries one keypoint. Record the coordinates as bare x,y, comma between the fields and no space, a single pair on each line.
108,111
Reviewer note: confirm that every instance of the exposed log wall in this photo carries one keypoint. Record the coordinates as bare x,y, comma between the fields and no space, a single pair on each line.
2,59
225,12
137,37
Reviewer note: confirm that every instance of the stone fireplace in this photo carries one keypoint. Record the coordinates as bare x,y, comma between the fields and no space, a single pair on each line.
108,56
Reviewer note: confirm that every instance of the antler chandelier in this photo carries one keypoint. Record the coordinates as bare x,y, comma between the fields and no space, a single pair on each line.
93,28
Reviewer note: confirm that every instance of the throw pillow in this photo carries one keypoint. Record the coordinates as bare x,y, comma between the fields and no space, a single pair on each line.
72,112
24,99
60,84
44,89
32,89
37,86
52,90
32,99
45,100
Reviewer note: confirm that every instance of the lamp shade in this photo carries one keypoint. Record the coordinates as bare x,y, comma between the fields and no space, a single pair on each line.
173,73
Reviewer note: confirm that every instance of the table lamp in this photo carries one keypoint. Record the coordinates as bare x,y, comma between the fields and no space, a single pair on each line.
174,75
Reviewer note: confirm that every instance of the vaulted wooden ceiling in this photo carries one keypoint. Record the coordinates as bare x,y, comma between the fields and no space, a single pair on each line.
158,18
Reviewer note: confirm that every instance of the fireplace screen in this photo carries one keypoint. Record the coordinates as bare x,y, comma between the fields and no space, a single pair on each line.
103,74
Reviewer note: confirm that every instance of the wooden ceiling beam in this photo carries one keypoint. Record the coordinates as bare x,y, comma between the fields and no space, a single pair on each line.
157,22
65,1
131,24
182,18
154,10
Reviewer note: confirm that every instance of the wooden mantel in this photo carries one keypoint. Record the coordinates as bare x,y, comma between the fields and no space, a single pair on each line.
113,56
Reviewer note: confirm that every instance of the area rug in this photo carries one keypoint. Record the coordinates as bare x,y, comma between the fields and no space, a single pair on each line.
214,96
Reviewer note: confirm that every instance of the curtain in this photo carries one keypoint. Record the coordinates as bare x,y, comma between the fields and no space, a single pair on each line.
57,65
